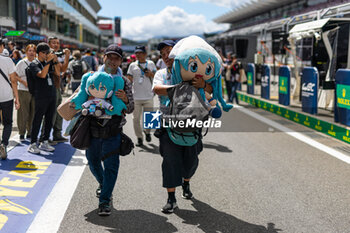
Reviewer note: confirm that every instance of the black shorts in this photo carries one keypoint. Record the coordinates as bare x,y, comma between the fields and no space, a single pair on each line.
178,161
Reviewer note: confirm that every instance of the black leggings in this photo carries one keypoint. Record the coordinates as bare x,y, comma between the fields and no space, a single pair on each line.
7,114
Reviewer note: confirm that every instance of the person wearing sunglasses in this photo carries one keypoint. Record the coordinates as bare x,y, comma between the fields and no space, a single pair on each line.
44,96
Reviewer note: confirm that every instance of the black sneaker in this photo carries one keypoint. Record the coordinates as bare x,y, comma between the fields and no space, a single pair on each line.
169,207
28,136
148,136
21,138
98,191
51,143
104,209
157,133
3,152
60,139
186,192
139,142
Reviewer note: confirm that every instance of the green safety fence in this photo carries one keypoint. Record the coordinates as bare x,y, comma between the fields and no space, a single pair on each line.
336,131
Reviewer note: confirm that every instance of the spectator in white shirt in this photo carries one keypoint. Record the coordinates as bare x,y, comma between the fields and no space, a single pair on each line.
8,97
25,114
141,73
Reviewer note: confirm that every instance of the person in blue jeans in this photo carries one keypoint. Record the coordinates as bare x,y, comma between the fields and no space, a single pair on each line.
235,86
235,66
106,176
106,139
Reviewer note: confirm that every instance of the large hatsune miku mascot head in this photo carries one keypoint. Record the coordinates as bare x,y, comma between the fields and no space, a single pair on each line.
193,57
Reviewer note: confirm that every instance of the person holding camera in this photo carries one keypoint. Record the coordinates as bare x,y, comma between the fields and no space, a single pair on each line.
141,73
235,78
44,96
63,61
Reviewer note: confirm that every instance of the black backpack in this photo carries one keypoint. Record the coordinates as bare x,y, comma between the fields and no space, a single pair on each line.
77,67
30,79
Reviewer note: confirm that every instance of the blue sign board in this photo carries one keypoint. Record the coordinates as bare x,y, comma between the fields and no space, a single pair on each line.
265,82
309,90
284,85
342,97
250,78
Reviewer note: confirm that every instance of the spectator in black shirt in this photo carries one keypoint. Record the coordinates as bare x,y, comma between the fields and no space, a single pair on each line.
44,95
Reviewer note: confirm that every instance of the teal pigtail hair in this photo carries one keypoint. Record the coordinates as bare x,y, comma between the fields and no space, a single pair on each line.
217,94
118,104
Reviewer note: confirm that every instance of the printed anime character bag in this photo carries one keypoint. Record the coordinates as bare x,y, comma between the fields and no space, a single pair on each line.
186,105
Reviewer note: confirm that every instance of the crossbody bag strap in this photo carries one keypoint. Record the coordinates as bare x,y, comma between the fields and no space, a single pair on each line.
5,77
142,72
26,63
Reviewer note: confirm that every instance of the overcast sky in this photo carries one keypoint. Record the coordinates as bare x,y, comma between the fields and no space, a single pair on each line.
142,20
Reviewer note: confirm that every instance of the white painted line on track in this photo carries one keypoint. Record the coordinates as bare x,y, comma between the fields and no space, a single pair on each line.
52,212
14,141
296,135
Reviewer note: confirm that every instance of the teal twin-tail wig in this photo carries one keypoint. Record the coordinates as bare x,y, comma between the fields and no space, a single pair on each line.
111,84
204,55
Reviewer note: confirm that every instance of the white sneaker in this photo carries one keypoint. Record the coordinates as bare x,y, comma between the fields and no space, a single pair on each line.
33,148
46,146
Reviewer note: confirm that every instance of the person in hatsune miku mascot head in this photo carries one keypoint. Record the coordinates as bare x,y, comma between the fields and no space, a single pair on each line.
194,57
194,60
95,89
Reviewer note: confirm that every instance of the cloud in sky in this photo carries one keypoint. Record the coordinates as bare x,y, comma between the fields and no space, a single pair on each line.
224,3
172,21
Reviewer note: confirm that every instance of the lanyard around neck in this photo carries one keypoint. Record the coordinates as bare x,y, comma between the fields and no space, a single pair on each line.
48,74
142,72
168,73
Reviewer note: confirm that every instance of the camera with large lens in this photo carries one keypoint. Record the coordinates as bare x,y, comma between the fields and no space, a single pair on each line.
59,53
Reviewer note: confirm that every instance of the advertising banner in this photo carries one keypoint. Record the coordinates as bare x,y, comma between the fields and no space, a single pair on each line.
117,31
309,90
284,85
265,82
34,14
342,97
250,78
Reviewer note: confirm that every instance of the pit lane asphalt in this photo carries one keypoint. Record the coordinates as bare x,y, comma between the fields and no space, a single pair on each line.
251,178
